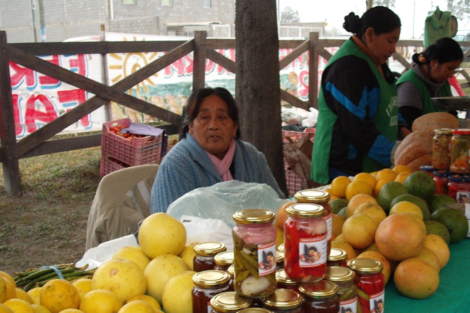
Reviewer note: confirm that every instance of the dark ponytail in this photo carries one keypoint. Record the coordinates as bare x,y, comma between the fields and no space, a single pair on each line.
381,19
443,50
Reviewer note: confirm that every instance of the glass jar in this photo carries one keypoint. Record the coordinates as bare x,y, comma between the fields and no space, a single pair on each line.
459,188
229,302
337,257
306,242
343,277
459,146
320,297
281,247
254,310
284,282
223,260
428,169
441,180
441,148
205,253
254,238
231,271
284,301
319,197
279,260
207,284
370,284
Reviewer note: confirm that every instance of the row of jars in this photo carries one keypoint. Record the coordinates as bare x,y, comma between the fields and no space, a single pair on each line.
447,183
450,150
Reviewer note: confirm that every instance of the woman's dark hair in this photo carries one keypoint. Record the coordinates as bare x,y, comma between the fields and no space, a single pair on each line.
381,19
194,103
443,50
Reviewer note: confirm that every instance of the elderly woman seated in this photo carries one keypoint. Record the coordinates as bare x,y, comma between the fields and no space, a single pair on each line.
210,152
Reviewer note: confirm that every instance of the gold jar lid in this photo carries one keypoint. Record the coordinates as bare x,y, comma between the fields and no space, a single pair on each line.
279,257
337,254
211,278
319,290
254,310
253,216
283,299
231,270
443,131
312,196
281,277
281,248
229,302
365,266
209,248
305,210
339,274
224,258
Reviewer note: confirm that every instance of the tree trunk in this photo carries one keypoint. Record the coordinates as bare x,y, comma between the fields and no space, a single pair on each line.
257,80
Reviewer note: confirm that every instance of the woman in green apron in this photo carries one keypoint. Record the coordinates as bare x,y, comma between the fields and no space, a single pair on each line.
358,121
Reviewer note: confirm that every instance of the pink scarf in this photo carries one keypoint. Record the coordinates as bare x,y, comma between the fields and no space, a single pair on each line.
223,166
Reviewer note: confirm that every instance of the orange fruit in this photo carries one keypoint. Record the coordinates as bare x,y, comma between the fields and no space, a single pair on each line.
401,169
346,247
357,187
428,256
339,185
379,186
367,178
416,279
281,215
19,306
338,222
340,237
439,247
376,255
373,210
356,201
386,173
359,230
402,176
406,207
59,294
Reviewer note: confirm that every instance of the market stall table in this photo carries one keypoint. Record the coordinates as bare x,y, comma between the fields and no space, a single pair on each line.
453,293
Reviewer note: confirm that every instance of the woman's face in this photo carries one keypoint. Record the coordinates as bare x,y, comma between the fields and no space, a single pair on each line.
441,72
213,128
383,45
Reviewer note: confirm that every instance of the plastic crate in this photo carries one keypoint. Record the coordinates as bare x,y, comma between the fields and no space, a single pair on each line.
124,152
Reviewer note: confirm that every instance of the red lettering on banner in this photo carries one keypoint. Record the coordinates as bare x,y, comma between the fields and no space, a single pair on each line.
32,114
79,65
49,82
73,98
16,114
18,74
189,67
303,90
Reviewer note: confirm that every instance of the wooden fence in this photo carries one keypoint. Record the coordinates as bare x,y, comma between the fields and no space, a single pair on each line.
39,143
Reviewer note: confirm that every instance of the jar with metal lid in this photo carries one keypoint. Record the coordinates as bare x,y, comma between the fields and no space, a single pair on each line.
320,297
337,257
306,242
223,260
254,238
284,282
279,260
284,300
281,247
459,147
428,169
205,253
370,283
319,197
441,180
441,148
229,302
207,284
231,271
459,187
343,277
254,310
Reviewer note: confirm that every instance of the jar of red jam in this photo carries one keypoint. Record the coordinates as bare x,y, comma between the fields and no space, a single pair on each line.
229,302
337,257
343,277
279,260
207,284
284,282
370,283
320,297
254,239
459,151
428,169
205,253
319,197
441,180
459,187
223,260
284,301
441,148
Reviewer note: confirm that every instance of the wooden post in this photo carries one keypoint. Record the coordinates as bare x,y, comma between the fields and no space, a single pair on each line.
104,68
11,169
313,71
199,59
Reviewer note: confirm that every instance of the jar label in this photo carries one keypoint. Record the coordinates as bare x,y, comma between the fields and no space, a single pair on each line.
329,224
467,210
267,258
377,302
349,305
312,251
209,307
462,196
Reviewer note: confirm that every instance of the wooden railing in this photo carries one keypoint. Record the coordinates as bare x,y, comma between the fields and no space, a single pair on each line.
39,143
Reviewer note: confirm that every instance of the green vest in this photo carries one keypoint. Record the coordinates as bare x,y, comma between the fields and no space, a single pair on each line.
386,119
420,85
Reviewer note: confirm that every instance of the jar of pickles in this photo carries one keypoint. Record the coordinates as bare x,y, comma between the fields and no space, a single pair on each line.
319,197
441,180
205,253
207,284
284,282
459,187
320,297
254,238
343,277
441,148
223,260
459,147
284,301
229,302
306,242
370,283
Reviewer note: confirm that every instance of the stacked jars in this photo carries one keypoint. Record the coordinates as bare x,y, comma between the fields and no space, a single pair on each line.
208,284
337,257
284,282
223,260
343,277
229,302
441,148
320,297
205,253
459,155
284,301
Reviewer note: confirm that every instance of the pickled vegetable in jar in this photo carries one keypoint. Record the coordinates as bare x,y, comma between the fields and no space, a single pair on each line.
337,257
370,283
306,242
207,284
229,302
254,238
319,197
279,260
284,282
441,180
441,148
343,277
459,151
320,297
205,253
285,301
459,188
223,260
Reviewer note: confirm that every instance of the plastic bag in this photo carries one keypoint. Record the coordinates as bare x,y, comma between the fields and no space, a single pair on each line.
203,230
222,200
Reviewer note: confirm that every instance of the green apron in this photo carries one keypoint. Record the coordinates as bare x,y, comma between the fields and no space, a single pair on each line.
386,119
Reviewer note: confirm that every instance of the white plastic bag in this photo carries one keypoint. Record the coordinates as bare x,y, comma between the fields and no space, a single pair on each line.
203,230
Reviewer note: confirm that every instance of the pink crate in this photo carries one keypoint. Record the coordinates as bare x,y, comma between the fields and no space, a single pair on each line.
109,165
